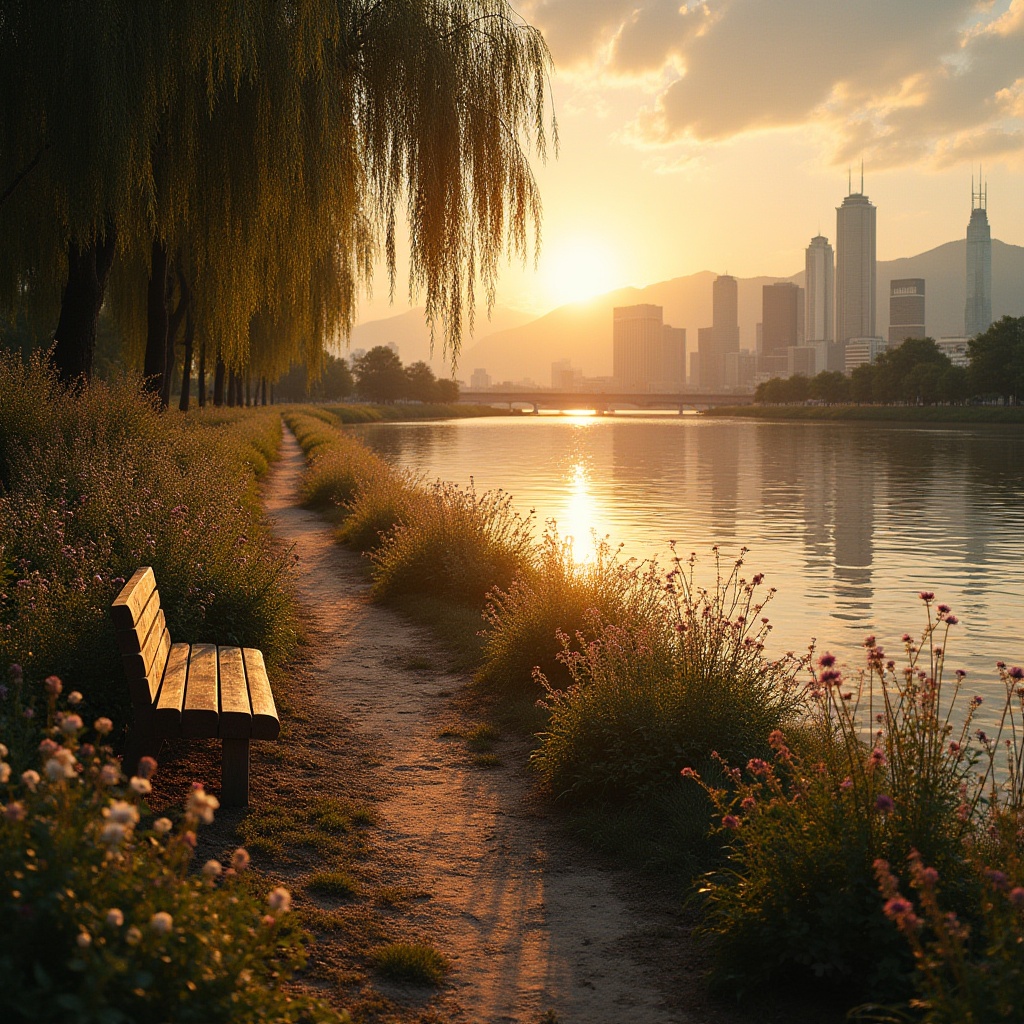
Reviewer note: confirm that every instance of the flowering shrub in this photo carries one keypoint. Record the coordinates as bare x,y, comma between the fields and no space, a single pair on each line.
103,484
647,700
101,918
882,768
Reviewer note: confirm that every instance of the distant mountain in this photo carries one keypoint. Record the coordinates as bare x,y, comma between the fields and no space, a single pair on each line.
582,332
410,333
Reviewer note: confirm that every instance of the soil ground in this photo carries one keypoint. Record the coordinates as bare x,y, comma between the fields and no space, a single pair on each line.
440,844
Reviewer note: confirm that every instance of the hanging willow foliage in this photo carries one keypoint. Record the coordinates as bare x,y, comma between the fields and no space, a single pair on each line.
271,149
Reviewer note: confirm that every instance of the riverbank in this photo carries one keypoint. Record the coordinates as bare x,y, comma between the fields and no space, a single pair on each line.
954,414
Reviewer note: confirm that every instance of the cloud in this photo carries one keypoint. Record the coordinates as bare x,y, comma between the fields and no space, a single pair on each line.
899,82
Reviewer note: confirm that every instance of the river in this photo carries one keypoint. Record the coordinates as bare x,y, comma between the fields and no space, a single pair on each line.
849,521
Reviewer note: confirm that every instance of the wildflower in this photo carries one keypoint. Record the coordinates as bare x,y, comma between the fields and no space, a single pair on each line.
84,940
70,724
907,638
928,877
1016,897
30,779
869,641
3,750
240,859
212,868
147,765
114,918
943,609
201,804
28,713
827,660
5,771
140,786
133,936
1016,672
74,698
758,767
189,839
280,900
244,978
876,758
53,686
997,878
926,596
847,783
161,922
884,803
976,701
86,750
122,812
162,826
267,920
113,834
15,672
952,620
103,726
748,803
48,748
110,775
15,811
60,766
731,821
963,812
688,773
901,911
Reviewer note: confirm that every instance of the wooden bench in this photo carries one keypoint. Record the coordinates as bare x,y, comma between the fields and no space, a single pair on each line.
191,690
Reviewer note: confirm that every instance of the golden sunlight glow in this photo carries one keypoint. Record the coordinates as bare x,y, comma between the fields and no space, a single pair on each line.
579,519
578,269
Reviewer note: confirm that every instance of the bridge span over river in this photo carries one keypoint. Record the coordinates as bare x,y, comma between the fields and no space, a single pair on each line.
602,401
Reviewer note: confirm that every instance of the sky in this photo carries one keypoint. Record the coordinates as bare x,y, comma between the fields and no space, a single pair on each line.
719,135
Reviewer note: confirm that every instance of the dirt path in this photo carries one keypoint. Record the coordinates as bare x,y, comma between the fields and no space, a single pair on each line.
534,931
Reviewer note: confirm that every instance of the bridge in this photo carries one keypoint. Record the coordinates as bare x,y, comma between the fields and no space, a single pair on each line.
603,401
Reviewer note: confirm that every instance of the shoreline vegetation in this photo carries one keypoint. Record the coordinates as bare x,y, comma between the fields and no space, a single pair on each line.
877,413
837,826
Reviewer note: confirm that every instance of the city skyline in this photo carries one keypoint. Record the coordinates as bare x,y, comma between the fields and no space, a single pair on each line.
675,159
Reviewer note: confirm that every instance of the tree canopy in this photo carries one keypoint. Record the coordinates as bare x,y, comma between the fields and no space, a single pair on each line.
250,162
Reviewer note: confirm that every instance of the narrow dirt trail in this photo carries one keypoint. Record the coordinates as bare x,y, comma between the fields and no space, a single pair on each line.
529,924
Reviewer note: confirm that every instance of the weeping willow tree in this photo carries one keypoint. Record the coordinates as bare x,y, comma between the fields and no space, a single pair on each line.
242,167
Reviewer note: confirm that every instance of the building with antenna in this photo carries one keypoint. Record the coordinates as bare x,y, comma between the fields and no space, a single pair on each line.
978,309
855,266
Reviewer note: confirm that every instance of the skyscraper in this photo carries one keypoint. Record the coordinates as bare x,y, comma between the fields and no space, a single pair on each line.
723,337
978,311
906,310
819,277
647,354
855,267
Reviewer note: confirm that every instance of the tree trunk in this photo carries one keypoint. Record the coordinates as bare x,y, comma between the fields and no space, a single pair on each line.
155,366
201,375
75,336
248,390
186,370
273,397
218,382
239,391
174,321
231,389
263,390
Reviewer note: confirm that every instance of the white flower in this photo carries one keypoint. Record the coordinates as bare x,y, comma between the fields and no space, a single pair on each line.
240,859
3,751
103,726
74,697
162,826
201,805
133,936
31,779
84,940
5,771
212,868
110,775
161,922
122,812
70,724
141,786
60,766
15,811
280,900
115,918
113,833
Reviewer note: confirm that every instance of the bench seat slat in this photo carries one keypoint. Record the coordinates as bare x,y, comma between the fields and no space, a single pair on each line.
201,708
171,698
130,641
130,603
265,723
235,714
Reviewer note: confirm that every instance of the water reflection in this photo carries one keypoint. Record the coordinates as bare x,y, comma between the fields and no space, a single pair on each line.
849,521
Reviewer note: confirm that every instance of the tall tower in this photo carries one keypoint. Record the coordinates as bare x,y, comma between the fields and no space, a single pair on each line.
978,311
906,310
855,266
819,277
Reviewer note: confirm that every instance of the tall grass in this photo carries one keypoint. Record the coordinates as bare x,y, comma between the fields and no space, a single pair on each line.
102,484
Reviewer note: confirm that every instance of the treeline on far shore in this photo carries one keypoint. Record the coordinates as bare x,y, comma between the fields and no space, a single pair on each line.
916,373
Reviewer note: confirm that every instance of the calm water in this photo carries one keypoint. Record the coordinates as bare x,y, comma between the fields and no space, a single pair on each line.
849,521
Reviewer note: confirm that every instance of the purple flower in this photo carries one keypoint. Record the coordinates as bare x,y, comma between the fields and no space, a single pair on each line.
952,620
884,803
926,596
997,878
944,609
1016,897
1016,672
731,821
827,660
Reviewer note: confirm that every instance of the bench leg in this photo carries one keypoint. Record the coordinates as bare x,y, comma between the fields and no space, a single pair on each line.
234,790
142,742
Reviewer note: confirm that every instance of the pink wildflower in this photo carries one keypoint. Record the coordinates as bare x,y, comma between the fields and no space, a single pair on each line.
884,803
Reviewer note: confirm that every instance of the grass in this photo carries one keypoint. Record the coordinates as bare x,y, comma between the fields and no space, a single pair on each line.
411,962
890,413
335,884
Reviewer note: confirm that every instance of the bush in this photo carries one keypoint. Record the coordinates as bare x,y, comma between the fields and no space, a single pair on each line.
645,702
884,775
559,596
106,485
102,920
385,499
411,962
456,546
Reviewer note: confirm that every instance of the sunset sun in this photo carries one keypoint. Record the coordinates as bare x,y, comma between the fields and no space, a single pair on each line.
578,269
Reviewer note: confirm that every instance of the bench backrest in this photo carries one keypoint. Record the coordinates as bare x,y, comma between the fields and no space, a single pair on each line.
142,635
